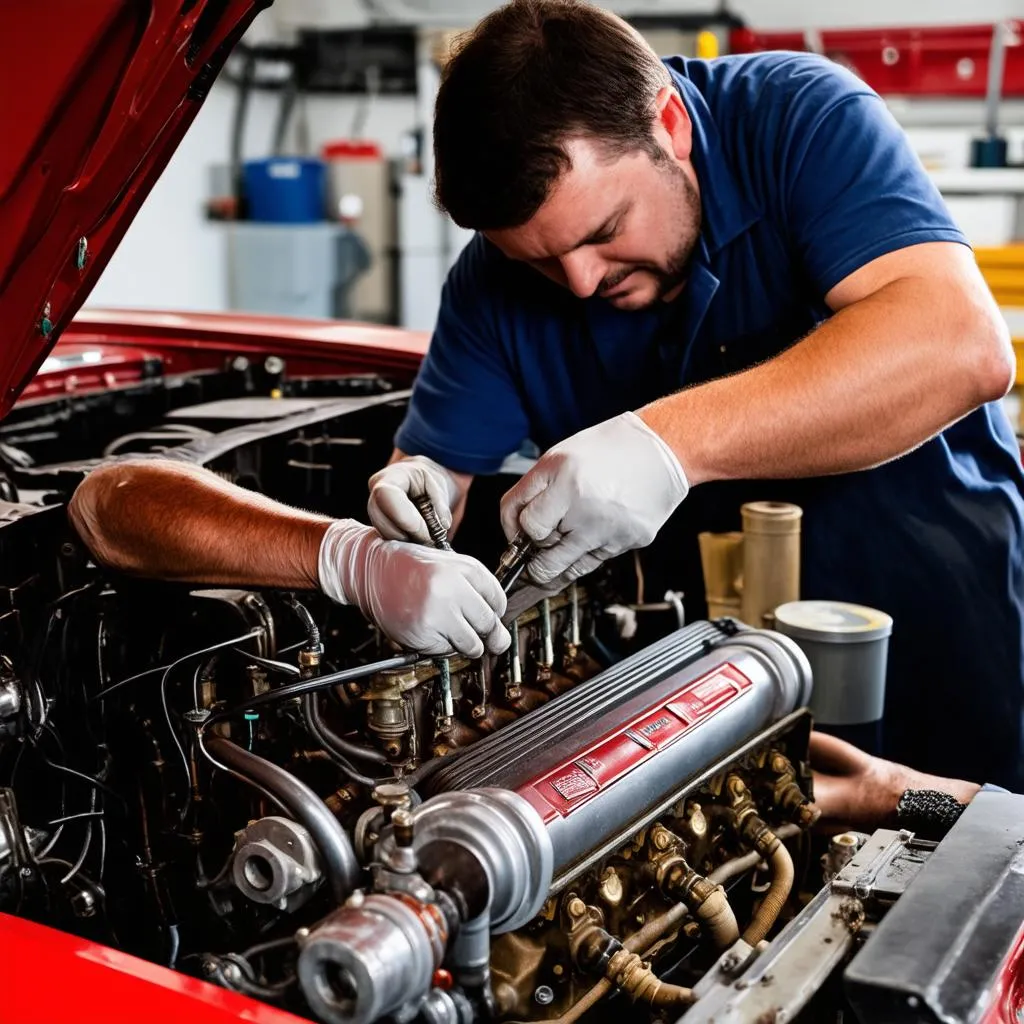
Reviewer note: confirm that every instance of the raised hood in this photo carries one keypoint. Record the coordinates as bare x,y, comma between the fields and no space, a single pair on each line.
97,95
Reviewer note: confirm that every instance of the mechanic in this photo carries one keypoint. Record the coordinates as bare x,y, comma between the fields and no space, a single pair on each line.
731,276
175,521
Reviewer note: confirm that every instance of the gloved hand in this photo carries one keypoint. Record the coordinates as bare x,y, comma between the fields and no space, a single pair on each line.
423,599
605,490
391,492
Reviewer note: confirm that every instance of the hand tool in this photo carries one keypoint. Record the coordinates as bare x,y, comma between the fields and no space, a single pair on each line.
438,534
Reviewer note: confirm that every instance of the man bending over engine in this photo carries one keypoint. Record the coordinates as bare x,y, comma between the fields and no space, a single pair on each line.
697,283
173,521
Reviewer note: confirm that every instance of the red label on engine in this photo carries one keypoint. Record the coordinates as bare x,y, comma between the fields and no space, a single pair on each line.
706,697
575,782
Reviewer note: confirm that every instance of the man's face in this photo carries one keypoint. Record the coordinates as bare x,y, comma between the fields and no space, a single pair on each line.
622,227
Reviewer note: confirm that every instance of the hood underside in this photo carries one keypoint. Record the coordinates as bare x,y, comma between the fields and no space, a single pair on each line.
105,90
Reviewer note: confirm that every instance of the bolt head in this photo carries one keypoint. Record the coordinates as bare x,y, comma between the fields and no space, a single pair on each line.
576,908
544,995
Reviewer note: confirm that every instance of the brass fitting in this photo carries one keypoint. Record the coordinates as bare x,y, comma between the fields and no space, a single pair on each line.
740,801
678,881
611,889
590,945
708,902
758,836
785,791
309,658
627,972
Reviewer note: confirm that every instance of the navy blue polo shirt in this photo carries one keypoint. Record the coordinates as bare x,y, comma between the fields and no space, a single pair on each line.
804,177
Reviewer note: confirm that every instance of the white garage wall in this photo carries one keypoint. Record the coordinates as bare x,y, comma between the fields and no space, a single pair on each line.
172,257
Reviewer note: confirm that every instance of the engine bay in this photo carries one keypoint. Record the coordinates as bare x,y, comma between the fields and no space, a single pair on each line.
254,789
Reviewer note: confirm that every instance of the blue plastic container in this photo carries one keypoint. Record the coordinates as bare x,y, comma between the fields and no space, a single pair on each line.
285,190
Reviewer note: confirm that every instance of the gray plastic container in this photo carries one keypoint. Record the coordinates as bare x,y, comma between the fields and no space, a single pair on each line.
847,646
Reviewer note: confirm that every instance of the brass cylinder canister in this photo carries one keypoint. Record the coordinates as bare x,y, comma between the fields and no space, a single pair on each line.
721,556
771,560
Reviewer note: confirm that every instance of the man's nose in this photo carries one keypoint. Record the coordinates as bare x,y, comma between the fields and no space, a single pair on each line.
584,272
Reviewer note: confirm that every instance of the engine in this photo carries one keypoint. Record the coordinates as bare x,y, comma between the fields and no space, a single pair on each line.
573,827
254,789
403,837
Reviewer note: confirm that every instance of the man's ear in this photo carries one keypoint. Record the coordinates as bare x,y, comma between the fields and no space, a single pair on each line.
673,120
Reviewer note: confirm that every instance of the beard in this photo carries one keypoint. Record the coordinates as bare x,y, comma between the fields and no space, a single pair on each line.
674,270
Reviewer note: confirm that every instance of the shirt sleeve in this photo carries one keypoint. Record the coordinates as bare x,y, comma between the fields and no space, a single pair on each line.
465,411
852,186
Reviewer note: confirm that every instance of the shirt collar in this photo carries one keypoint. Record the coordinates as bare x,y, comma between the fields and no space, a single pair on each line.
727,213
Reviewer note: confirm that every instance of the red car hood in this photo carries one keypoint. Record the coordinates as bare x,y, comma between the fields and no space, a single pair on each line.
103,93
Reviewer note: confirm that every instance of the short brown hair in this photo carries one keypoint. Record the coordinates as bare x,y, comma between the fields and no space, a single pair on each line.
531,76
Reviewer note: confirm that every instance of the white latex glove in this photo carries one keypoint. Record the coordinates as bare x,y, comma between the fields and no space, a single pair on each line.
391,492
605,490
423,599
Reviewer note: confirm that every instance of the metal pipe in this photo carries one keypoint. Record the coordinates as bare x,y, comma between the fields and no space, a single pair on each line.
515,664
547,643
277,666
444,694
1001,33
301,688
574,622
307,808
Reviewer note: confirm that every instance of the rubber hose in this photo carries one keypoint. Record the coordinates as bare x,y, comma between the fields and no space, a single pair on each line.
345,766
717,915
780,864
340,745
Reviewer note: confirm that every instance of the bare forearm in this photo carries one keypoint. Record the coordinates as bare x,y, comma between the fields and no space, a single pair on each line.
856,790
173,521
881,377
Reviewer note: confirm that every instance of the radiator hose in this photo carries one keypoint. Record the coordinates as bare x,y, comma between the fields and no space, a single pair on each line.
780,867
